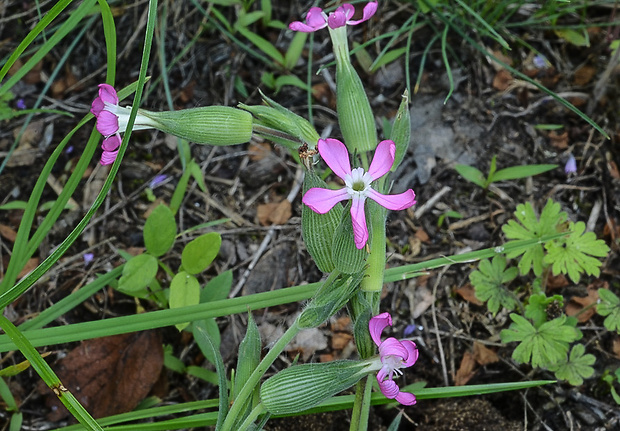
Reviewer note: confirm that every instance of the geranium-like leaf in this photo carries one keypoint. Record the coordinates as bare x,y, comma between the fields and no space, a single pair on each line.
610,307
574,253
530,227
489,283
543,346
577,368
536,308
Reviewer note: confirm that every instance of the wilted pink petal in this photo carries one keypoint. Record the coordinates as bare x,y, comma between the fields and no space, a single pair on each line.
111,143
389,388
392,347
377,324
322,200
369,11
412,353
405,398
316,19
338,18
108,157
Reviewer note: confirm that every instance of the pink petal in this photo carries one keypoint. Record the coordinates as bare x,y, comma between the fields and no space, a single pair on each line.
377,324
348,10
389,388
412,351
336,155
316,18
405,398
300,26
322,200
111,143
108,94
358,217
97,106
337,18
393,202
108,157
393,347
369,11
107,123
383,159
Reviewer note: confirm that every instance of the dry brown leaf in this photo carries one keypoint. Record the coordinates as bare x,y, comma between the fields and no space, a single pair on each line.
340,340
274,213
422,236
612,167
258,151
483,355
307,342
415,246
26,152
466,370
502,80
577,303
7,233
584,75
615,347
342,324
556,281
109,375
468,293
558,141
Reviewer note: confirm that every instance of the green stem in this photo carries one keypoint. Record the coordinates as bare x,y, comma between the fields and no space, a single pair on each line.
256,411
240,402
361,405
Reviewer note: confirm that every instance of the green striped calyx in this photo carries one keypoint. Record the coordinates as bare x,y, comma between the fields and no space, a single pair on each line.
331,297
347,257
355,117
401,131
318,229
212,125
301,387
277,123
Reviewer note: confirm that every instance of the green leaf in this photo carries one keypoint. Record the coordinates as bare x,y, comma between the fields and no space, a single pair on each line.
184,291
293,80
572,254
577,368
262,44
200,252
248,359
138,273
160,230
14,205
471,174
489,284
543,346
217,288
532,228
536,309
194,168
575,37
610,307
516,172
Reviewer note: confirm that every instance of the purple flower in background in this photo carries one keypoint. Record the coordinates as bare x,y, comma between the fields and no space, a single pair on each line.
571,165
88,258
21,104
316,19
540,61
357,185
158,180
394,355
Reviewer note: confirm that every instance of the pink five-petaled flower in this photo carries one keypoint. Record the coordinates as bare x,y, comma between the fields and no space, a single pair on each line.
112,120
316,19
394,355
357,185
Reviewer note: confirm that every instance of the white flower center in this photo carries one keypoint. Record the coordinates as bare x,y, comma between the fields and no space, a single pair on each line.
358,183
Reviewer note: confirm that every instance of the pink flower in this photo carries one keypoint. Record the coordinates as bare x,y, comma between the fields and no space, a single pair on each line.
357,185
316,19
394,355
112,120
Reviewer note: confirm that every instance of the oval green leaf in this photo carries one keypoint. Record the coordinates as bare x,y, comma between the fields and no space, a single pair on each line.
138,273
159,231
184,291
200,252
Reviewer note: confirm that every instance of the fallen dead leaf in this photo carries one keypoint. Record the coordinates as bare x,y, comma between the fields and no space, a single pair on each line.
258,151
502,80
423,300
274,213
556,281
584,75
558,141
109,375
468,293
422,236
307,342
615,347
612,167
27,151
342,324
577,304
7,233
415,246
340,340
483,355
466,370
